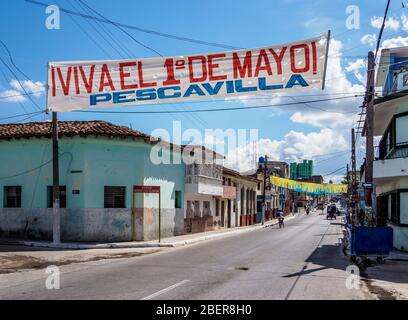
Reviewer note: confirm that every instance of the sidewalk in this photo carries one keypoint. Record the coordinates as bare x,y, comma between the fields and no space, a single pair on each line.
177,241
390,279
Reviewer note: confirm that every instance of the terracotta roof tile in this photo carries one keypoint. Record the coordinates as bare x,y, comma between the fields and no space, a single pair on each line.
68,129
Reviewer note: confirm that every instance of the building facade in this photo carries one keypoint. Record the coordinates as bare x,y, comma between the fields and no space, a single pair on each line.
100,163
301,171
203,185
239,198
390,169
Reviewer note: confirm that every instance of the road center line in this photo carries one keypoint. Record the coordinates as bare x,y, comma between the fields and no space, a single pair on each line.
165,290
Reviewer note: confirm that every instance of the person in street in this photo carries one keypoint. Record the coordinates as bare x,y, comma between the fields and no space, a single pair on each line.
281,218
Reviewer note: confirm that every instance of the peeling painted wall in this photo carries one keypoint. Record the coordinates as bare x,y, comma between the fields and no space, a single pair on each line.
87,164
100,225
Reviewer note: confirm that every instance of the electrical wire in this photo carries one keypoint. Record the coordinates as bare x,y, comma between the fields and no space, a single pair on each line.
12,60
224,109
22,115
106,30
120,28
120,54
144,30
32,169
382,29
21,85
3,97
193,118
337,170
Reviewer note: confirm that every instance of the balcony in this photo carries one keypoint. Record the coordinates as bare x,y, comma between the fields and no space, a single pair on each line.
391,161
391,151
204,179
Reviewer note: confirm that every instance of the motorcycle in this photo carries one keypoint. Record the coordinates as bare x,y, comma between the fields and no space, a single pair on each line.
281,222
331,213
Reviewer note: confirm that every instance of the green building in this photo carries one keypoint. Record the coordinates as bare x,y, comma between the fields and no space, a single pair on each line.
301,171
99,165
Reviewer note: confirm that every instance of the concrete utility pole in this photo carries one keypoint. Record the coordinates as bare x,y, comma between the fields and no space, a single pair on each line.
353,163
348,181
369,126
56,228
265,169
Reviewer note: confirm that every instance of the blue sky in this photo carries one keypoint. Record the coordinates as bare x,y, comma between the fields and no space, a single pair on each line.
238,23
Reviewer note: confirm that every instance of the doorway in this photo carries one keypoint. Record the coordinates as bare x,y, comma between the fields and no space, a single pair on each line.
229,213
222,214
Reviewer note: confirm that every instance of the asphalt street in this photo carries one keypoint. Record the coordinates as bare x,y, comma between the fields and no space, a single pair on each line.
301,261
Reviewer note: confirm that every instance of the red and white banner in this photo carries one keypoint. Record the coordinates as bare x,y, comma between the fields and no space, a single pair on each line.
76,85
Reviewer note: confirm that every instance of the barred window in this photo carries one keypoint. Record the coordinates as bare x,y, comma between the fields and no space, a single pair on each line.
12,197
114,197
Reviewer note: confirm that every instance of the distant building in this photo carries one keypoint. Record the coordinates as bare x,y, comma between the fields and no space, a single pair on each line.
238,203
316,179
301,171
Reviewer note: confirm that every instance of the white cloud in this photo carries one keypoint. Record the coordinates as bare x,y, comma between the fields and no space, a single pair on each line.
358,68
213,140
395,42
334,126
390,23
369,39
30,86
335,178
324,120
17,94
404,22
295,146
12,96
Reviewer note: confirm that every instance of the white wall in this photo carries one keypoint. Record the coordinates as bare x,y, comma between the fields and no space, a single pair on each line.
400,237
390,168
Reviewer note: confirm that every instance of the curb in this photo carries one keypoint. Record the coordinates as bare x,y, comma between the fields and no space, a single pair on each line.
76,246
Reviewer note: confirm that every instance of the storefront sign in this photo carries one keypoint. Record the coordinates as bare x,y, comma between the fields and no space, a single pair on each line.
146,189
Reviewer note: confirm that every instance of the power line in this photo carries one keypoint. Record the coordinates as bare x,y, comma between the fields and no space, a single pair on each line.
2,97
88,35
22,87
382,29
256,96
340,154
144,30
121,28
100,34
31,170
107,32
222,109
328,174
12,61
29,117
192,117
7,82
22,115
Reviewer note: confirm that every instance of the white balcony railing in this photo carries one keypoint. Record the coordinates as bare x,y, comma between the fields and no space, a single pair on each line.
390,168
